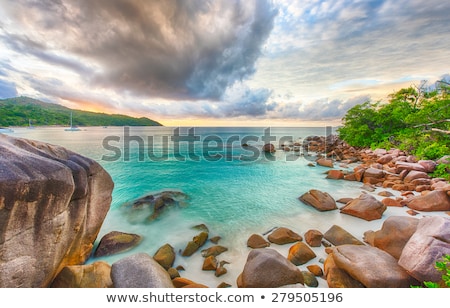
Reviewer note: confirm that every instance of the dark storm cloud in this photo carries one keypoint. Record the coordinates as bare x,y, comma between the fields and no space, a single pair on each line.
242,101
164,48
27,46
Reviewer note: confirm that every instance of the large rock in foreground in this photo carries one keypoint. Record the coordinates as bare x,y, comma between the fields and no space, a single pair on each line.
371,266
139,271
428,244
267,268
52,205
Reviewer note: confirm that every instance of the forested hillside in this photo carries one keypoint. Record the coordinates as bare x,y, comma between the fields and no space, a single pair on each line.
21,111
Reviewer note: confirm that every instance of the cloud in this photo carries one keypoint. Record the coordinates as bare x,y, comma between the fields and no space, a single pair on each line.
165,49
321,109
7,89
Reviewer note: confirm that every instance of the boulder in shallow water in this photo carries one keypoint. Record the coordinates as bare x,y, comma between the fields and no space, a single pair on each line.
52,205
283,236
321,201
150,207
116,242
213,251
165,256
197,242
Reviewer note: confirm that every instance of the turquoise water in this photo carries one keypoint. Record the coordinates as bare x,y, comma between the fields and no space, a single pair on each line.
235,195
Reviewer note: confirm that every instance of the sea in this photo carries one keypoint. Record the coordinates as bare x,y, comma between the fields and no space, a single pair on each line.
228,183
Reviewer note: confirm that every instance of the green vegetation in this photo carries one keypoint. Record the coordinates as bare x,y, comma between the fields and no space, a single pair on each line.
21,111
414,120
443,266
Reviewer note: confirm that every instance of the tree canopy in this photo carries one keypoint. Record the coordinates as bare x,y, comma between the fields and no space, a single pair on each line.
414,119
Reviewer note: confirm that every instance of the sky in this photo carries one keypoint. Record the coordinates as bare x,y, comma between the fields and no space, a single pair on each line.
221,62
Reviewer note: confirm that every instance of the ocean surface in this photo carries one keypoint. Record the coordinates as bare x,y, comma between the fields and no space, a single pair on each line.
234,190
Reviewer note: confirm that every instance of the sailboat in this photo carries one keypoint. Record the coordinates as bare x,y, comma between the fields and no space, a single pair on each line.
72,128
30,126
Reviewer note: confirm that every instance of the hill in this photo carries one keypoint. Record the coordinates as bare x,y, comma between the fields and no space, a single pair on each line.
20,111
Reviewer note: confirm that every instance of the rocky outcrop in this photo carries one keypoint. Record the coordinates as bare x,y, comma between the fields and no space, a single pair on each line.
313,238
366,207
321,201
337,277
426,246
165,256
53,202
437,200
95,275
116,242
267,268
393,235
282,235
372,267
194,245
139,271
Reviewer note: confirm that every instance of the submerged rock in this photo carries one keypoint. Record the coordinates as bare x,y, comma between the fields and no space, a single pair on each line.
115,242
393,235
283,236
152,206
257,241
197,242
165,256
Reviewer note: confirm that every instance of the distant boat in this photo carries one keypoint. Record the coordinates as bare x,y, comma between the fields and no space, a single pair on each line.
72,128
29,125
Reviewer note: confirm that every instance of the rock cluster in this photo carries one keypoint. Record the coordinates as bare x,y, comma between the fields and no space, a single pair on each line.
54,202
52,205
